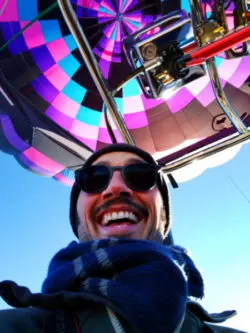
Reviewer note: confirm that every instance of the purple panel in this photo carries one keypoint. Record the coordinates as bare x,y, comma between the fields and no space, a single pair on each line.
45,89
42,57
32,166
79,11
105,66
11,134
18,45
59,118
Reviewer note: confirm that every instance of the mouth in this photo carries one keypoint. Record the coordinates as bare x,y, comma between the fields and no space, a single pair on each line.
120,220
119,217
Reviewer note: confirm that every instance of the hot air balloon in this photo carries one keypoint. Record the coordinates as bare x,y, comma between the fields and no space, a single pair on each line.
150,60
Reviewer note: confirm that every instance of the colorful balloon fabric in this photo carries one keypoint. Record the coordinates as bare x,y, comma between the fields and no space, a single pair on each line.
51,114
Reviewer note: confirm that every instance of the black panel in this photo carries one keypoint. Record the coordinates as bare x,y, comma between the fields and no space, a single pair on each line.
55,14
20,69
35,98
93,101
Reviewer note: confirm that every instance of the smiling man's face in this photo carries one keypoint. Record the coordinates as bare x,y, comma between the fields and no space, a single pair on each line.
119,211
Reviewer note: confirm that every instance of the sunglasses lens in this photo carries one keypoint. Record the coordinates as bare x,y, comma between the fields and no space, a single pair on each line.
93,178
140,177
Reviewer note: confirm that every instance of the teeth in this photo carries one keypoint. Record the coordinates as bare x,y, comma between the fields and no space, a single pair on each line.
114,216
119,215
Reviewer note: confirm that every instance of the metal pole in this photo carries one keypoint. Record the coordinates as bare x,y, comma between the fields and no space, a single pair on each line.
197,16
93,67
204,152
222,99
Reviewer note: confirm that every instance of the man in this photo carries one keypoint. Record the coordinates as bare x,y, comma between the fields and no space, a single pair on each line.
119,277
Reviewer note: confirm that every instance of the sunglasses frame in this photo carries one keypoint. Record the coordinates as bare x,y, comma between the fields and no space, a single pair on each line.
122,169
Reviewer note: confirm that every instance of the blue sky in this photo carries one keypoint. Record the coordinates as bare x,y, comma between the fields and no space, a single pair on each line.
211,217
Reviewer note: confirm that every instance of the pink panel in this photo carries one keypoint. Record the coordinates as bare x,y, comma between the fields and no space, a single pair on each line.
64,180
42,160
108,7
105,55
198,85
33,35
228,67
242,73
102,123
104,136
108,31
207,96
179,100
57,77
10,12
118,34
230,22
133,104
81,130
66,105
89,4
134,17
136,120
126,5
110,45
87,142
150,103
58,49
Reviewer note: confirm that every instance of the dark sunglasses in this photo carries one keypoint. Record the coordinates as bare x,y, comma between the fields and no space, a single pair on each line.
138,176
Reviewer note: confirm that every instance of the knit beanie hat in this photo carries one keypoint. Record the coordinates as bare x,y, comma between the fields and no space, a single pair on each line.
118,147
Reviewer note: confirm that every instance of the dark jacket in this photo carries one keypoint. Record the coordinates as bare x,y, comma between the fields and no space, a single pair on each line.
98,318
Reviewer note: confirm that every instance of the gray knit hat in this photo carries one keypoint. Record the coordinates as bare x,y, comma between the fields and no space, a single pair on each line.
161,182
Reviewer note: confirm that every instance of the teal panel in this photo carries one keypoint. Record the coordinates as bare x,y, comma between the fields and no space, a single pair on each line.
27,10
114,32
218,61
88,116
106,11
131,88
134,23
119,104
185,5
69,65
51,30
74,91
71,43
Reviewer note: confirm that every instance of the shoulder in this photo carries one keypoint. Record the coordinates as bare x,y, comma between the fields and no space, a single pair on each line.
22,320
198,320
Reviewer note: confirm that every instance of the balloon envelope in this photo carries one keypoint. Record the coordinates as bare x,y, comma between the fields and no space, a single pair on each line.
51,113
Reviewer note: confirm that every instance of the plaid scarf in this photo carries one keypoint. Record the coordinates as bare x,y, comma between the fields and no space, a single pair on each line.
146,283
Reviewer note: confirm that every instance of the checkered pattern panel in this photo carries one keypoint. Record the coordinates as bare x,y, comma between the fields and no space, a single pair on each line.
44,65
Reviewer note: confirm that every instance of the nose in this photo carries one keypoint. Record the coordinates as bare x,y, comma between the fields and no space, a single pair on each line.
116,187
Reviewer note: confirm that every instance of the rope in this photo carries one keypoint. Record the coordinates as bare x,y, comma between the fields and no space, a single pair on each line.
38,17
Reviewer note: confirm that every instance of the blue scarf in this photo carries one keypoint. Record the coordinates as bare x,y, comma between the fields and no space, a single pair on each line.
148,284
